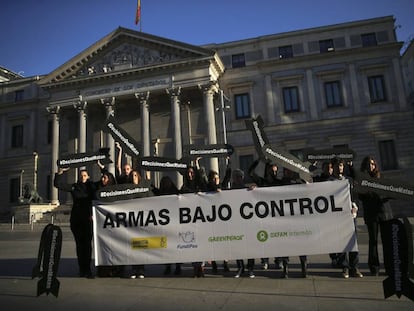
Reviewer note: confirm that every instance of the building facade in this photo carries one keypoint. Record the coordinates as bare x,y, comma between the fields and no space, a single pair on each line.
332,86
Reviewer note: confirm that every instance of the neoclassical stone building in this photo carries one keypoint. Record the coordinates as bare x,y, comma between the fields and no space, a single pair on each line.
325,87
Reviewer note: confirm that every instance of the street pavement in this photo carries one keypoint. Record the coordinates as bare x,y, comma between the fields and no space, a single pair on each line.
323,289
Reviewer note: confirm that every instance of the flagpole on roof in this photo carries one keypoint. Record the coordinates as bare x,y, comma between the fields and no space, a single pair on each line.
138,15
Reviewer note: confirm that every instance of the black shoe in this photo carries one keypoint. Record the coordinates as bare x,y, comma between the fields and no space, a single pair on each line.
304,270
239,273
374,271
89,275
355,273
167,270
345,273
214,267
177,270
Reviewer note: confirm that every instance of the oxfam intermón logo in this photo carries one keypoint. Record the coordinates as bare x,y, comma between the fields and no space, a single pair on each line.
262,236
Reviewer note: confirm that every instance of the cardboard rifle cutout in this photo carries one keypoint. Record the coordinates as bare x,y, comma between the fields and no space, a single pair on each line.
398,258
384,187
120,135
277,155
48,261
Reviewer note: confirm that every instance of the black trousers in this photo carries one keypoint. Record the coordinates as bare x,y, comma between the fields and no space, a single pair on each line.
250,264
83,234
374,227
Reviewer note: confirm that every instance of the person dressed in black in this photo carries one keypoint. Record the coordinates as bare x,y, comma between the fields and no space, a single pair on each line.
291,178
376,211
268,177
83,192
237,182
167,187
347,261
194,182
214,185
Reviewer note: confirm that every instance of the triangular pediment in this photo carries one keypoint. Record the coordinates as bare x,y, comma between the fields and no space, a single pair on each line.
126,50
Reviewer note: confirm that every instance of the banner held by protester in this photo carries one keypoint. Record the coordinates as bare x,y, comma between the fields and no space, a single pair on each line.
264,222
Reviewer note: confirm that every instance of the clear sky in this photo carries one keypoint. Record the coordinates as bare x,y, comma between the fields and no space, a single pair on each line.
37,36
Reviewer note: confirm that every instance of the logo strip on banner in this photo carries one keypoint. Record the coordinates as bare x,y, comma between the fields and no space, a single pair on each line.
149,242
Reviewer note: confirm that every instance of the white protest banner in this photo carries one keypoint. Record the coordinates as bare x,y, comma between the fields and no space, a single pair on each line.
291,220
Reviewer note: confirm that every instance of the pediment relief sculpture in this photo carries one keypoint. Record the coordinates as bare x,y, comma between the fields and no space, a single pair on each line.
127,56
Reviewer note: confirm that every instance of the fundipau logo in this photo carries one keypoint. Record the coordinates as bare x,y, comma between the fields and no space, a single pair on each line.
188,239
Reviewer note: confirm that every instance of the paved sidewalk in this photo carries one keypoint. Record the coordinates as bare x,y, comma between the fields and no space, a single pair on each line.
323,289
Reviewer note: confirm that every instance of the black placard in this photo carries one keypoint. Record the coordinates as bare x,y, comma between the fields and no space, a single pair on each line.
48,261
209,151
396,248
129,145
82,159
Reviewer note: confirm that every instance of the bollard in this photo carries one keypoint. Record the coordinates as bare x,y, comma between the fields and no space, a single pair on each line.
12,223
31,222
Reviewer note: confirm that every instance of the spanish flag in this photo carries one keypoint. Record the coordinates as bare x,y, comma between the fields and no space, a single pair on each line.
138,12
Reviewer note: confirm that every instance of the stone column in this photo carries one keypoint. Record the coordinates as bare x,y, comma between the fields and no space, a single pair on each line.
145,125
109,104
174,93
208,93
81,109
54,111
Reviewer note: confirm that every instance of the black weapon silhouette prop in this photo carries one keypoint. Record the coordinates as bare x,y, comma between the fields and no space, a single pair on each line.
385,187
120,135
277,155
48,261
398,258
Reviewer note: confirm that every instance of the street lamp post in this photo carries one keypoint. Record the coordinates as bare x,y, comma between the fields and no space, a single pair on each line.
36,157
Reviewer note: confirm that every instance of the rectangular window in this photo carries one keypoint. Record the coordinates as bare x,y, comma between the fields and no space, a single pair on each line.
326,46
291,99
377,89
17,136
238,60
333,94
242,102
19,95
285,51
245,161
388,155
369,39
14,190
